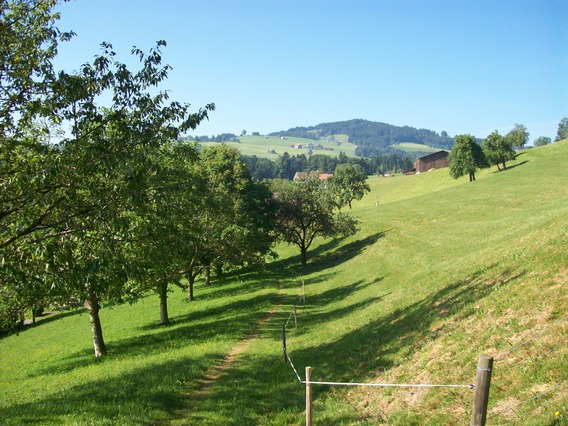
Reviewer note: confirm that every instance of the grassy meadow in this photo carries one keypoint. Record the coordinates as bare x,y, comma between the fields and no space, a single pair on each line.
414,147
440,272
262,146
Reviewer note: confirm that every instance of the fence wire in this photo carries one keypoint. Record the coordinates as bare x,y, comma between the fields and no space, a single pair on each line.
533,338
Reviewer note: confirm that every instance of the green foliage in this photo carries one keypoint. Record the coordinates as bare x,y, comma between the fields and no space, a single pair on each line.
371,138
305,210
401,301
348,183
466,157
542,141
562,132
519,136
498,150
70,211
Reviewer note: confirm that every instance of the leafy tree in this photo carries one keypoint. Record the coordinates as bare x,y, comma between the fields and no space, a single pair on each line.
466,157
348,183
519,136
562,132
237,212
542,140
306,210
158,241
28,42
498,150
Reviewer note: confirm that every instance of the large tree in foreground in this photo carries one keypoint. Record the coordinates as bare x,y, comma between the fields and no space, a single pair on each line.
306,210
466,157
498,150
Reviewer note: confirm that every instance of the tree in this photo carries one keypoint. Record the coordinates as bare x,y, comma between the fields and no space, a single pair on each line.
348,183
542,140
466,157
562,132
519,136
237,213
498,150
305,210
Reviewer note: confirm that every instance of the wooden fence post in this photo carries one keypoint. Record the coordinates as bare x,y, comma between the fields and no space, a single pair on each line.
308,396
284,342
295,318
481,396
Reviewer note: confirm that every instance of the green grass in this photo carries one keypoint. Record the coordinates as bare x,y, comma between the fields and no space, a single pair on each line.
441,271
414,147
262,146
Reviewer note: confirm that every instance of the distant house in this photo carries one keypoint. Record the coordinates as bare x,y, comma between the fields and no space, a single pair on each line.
312,175
436,160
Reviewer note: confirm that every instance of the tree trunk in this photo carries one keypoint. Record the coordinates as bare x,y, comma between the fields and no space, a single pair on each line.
164,319
304,256
207,276
219,270
190,280
93,307
471,177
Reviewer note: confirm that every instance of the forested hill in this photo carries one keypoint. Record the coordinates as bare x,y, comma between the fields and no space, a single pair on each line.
372,138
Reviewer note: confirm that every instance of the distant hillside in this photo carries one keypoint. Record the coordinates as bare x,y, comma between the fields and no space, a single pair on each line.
372,138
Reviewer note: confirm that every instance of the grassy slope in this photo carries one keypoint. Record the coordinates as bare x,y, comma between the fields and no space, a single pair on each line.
441,271
259,146
414,147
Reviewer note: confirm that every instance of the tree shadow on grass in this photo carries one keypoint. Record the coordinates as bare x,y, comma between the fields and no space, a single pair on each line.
257,388
45,318
374,346
230,322
324,256
263,389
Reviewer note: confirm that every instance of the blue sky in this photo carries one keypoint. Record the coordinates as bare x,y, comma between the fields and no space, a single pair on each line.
458,66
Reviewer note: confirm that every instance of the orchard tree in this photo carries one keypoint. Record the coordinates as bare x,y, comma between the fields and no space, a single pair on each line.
466,157
519,136
236,212
163,242
542,140
562,132
306,210
30,189
498,150
69,213
348,183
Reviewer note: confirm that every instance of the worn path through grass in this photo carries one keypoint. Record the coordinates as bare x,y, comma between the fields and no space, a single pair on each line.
216,372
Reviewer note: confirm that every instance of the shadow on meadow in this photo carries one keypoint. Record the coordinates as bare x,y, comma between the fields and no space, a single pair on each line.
256,389
143,397
374,346
323,257
267,386
231,321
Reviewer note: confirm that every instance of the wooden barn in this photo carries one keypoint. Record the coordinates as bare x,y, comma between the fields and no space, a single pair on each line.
436,160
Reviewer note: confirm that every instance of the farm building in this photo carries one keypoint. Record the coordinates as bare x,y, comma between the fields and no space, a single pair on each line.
436,160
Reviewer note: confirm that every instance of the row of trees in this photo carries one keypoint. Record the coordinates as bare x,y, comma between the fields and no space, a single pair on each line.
286,165
467,156
100,205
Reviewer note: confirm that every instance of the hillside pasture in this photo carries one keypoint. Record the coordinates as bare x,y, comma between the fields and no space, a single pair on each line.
441,271
262,146
414,147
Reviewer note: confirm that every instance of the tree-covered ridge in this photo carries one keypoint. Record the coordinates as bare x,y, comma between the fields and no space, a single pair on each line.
372,138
